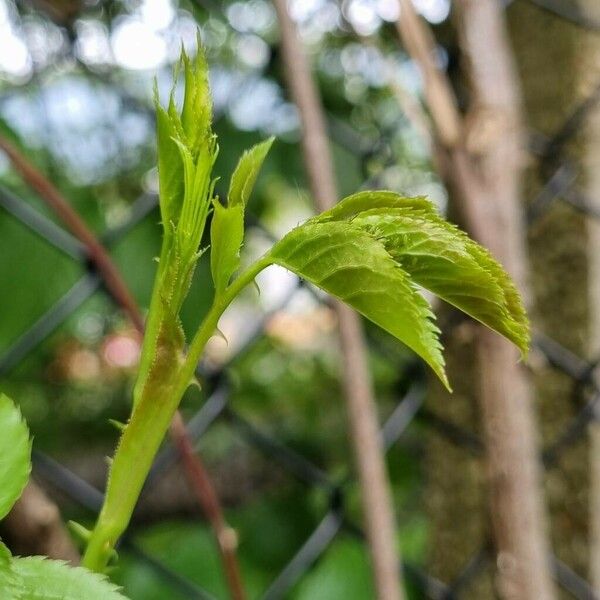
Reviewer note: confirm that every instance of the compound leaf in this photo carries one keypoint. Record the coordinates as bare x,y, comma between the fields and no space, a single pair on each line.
373,248
352,265
439,257
15,454
446,262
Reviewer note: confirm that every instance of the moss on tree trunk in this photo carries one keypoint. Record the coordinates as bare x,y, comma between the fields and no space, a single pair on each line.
550,56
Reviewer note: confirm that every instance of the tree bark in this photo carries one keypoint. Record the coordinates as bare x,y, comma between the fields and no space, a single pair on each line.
494,214
483,168
554,64
591,189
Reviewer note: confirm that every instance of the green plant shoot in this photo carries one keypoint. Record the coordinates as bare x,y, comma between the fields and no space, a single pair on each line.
372,251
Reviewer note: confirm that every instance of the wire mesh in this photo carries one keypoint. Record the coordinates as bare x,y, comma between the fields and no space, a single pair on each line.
561,186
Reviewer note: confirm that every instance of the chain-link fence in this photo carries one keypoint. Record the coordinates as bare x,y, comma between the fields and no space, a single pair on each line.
561,178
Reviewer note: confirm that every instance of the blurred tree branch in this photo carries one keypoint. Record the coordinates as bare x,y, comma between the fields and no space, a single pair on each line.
365,433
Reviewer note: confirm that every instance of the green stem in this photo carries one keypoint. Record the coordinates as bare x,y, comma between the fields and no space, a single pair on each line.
146,429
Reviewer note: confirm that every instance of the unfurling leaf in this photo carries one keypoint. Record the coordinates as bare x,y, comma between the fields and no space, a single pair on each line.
246,172
170,169
15,454
187,150
227,229
42,579
189,128
373,248
227,235
196,114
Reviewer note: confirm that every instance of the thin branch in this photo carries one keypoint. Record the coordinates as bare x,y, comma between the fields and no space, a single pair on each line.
420,44
366,436
194,468
201,484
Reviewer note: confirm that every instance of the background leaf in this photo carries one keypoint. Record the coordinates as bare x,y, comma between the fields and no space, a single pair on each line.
15,454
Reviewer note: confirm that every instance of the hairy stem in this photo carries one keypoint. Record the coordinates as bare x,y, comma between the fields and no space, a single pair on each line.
147,426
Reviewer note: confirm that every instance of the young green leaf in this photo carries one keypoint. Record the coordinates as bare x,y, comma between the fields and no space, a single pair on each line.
198,191
355,204
15,454
196,114
190,128
187,150
444,261
440,258
372,248
41,579
352,265
227,230
226,235
246,172
170,169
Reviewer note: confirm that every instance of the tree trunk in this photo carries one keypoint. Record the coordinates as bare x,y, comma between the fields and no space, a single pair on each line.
494,217
551,54
483,168
591,189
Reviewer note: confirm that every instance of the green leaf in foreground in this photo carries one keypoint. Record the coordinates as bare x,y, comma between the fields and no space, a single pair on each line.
350,264
43,579
8,580
15,454
373,248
